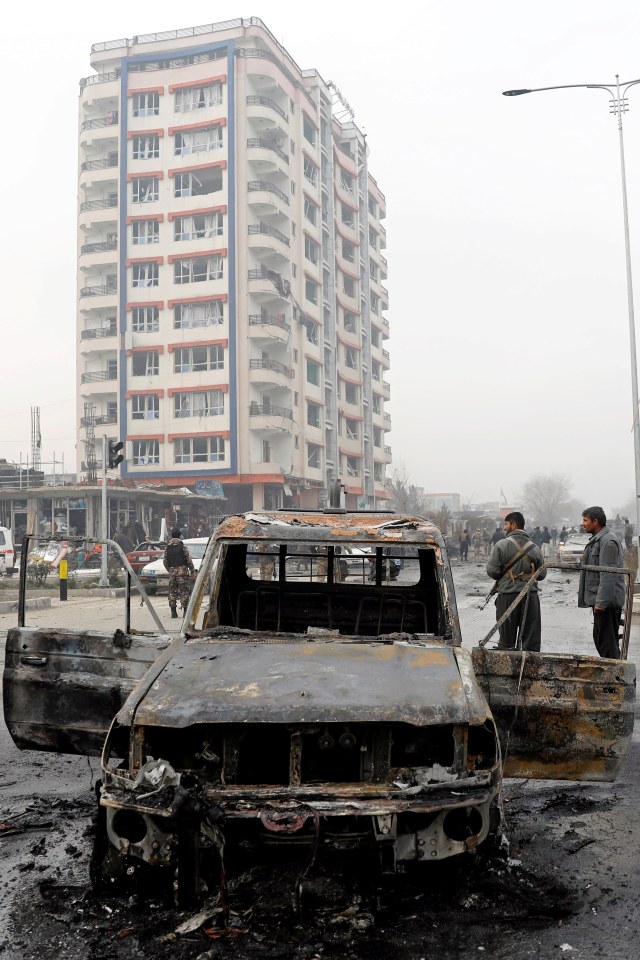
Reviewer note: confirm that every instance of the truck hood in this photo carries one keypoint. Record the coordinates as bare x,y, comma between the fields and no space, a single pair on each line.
280,681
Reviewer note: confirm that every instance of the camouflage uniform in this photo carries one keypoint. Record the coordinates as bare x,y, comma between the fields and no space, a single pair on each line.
179,576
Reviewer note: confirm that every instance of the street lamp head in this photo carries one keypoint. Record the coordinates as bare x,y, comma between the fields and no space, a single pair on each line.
514,93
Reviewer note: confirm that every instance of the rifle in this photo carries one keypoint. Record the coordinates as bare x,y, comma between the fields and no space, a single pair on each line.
522,552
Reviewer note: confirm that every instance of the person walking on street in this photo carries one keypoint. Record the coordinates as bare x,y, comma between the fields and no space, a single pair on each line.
546,540
512,563
179,565
603,592
498,535
554,537
536,536
464,544
628,533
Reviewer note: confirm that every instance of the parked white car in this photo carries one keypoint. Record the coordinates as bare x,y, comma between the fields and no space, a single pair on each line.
570,552
154,577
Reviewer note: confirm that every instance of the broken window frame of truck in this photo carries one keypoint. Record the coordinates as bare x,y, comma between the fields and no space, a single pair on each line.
205,720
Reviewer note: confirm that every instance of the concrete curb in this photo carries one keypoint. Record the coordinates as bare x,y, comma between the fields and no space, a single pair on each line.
36,603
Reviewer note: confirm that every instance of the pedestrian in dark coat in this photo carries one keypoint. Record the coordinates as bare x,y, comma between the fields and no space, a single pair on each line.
603,592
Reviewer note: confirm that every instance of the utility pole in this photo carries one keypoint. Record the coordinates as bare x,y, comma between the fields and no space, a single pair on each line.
104,579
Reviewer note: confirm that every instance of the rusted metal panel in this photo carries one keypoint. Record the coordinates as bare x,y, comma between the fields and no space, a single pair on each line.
560,716
62,688
328,528
209,681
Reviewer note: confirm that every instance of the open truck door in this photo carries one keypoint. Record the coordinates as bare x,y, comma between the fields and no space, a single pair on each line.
561,716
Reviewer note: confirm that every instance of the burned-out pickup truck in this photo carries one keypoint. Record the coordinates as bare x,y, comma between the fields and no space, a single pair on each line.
315,697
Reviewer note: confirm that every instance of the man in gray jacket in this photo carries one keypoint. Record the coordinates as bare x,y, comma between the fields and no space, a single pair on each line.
512,563
603,592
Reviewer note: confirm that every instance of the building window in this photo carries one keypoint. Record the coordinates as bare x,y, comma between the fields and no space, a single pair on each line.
198,269
145,407
348,251
346,182
145,452
352,429
195,359
266,452
186,142
198,226
347,215
375,337
145,363
353,466
312,332
146,147
377,437
375,370
199,450
195,403
145,231
350,393
146,104
373,206
144,189
187,315
374,302
314,456
145,275
350,321
377,403
309,131
198,98
377,472
310,171
373,239
310,211
311,290
351,358
349,286
197,184
311,250
313,414
145,320
313,372
373,270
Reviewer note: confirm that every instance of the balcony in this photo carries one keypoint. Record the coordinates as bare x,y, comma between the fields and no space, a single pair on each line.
101,247
98,376
264,187
104,164
263,143
104,204
256,101
386,388
110,120
387,450
281,287
263,230
270,320
99,421
107,290
96,333
270,410
99,78
273,365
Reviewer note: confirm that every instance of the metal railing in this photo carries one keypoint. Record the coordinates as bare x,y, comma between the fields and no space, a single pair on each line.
277,320
265,186
99,204
99,421
263,274
265,144
98,376
268,364
387,450
101,246
101,291
262,228
99,78
99,332
257,101
270,410
109,121
104,164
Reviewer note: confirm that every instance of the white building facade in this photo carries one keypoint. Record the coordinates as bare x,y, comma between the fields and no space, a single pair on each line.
231,298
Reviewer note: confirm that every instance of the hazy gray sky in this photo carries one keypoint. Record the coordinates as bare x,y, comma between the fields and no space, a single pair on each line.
510,343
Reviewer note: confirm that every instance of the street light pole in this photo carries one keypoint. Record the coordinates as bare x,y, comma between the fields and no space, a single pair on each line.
618,105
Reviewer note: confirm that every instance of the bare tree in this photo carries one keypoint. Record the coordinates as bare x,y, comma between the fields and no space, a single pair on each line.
406,497
546,497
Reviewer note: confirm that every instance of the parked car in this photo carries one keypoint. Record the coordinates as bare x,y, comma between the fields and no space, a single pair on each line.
570,552
154,577
146,552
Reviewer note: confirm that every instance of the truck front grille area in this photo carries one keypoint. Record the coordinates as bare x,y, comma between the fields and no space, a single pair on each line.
279,755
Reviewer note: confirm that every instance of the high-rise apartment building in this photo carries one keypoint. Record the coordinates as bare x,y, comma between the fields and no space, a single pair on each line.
231,303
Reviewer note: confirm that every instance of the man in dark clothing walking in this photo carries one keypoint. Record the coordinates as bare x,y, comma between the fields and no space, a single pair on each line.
512,563
464,544
179,565
628,533
603,592
498,535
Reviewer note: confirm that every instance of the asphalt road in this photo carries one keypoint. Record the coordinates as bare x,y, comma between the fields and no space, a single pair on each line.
568,885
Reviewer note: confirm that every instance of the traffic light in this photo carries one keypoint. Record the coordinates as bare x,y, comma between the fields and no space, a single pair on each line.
114,457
